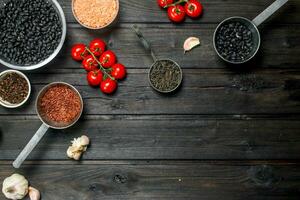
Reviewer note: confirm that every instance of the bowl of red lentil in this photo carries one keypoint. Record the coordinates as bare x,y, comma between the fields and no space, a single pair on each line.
15,88
95,14
59,105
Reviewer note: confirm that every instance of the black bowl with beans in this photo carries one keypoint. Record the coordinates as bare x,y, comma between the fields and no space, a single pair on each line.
236,40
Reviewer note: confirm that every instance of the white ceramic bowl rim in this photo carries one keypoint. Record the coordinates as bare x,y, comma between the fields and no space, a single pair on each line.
7,104
56,51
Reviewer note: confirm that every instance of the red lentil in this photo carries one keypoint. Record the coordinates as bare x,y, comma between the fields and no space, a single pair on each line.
95,13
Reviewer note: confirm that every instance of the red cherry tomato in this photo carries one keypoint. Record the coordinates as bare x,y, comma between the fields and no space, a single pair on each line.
89,63
193,8
118,71
163,3
108,86
78,52
108,59
176,13
94,78
97,46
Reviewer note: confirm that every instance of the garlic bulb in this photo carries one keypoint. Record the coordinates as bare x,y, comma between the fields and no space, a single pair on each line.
79,145
15,187
34,194
191,43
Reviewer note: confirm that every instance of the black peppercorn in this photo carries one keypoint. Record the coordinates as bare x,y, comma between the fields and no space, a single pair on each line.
13,88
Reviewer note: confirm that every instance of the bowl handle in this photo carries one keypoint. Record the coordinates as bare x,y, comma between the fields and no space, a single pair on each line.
144,42
268,12
30,146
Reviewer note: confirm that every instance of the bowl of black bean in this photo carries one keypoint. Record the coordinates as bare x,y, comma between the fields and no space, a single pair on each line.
237,39
32,33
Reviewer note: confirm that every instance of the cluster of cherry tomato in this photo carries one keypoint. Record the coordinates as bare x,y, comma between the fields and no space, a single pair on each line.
177,11
101,65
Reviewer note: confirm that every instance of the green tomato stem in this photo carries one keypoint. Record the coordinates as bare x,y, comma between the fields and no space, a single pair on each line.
100,65
176,3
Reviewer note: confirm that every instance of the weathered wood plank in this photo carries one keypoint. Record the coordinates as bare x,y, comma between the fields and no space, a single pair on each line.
159,137
280,46
164,180
147,11
203,92
202,123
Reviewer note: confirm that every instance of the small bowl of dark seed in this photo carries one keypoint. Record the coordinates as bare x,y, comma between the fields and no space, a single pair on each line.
32,33
236,40
15,88
165,76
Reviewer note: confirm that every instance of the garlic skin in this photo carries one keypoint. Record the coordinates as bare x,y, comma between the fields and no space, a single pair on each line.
191,43
34,194
79,145
15,187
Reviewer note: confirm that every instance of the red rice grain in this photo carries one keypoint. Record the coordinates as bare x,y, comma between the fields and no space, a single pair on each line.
60,104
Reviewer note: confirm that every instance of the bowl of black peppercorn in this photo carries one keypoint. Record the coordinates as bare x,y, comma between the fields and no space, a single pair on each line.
236,40
15,88
32,33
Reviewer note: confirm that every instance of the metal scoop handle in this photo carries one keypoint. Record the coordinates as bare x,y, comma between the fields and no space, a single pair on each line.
145,43
268,12
30,146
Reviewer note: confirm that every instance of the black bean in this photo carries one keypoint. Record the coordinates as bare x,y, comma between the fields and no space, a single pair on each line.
234,41
27,27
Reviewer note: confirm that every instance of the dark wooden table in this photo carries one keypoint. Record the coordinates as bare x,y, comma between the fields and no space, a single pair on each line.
228,133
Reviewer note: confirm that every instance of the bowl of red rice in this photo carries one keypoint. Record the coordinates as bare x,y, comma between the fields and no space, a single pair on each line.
95,14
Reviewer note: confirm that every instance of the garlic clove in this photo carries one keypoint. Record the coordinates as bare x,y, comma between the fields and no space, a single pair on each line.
84,140
77,156
71,151
80,141
34,194
191,43
79,145
15,187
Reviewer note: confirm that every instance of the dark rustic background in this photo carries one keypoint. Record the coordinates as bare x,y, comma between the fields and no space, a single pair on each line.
228,133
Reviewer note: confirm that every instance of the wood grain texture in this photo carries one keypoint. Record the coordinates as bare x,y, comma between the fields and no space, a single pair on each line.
203,92
279,46
228,133
147,11
159,137
163,180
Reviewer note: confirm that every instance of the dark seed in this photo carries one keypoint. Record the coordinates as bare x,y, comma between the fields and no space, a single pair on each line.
165,75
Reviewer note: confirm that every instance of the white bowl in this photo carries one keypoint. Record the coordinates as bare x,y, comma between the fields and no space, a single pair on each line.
97,28
54,53
7,104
